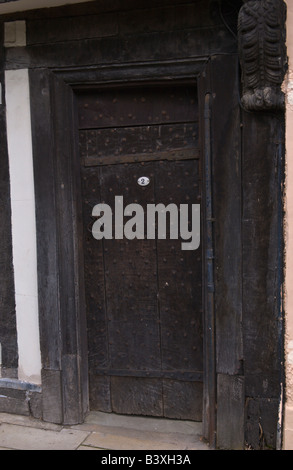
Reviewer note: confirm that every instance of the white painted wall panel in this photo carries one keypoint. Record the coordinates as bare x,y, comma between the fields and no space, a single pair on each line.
23,223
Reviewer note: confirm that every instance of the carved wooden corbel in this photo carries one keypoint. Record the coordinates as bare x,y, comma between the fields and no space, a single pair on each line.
262,53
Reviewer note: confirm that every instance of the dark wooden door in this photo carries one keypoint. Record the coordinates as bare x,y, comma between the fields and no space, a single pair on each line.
144,296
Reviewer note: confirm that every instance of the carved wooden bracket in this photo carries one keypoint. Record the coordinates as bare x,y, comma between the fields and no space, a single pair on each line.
262,53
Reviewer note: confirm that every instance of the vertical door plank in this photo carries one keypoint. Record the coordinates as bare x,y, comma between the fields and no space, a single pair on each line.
179,284
97,333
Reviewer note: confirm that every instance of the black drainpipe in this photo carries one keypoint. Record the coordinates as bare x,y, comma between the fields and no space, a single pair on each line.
209,330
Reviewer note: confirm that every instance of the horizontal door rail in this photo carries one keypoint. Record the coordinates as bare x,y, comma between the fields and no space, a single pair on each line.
172,155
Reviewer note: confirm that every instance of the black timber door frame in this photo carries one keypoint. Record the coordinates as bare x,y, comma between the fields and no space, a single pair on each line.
58,216
221,134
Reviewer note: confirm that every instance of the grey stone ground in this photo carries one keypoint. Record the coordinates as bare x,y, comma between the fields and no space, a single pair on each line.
100,431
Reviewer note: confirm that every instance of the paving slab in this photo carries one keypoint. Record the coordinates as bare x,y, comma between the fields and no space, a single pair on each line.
82,447
124,439
122,432
28,421
100,431
141,423
29,438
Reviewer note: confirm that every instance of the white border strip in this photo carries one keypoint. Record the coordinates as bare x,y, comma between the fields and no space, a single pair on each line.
23,223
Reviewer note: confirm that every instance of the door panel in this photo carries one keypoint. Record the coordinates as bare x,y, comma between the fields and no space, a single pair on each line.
144,305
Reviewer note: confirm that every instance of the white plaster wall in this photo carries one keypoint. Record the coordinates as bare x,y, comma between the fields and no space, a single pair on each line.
23,223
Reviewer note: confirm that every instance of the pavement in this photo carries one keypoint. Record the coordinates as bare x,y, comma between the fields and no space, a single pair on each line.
107,431
100,431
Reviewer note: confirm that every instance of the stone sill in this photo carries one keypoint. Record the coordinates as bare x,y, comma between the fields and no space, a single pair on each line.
22,398
19,385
